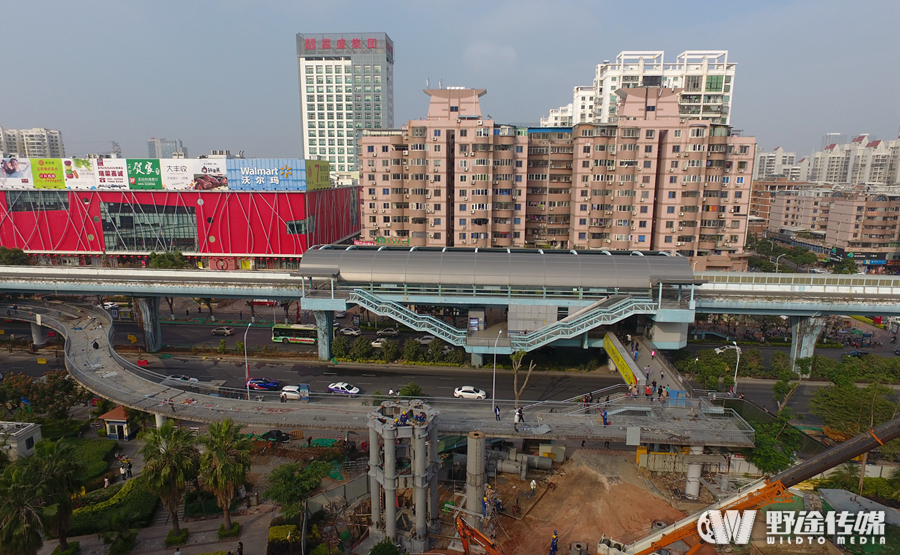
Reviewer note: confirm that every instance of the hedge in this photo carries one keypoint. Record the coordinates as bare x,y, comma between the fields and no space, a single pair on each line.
233,533
98,495
58,429
280,533
74,549
96,453
173,539
134,498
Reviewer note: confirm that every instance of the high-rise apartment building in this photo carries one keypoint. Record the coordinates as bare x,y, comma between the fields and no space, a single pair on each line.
780,164
346,86
861,160
650,181
32,143
165,148
705,79
580,110
559,117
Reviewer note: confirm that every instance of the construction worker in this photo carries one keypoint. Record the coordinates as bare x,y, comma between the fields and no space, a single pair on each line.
554,543
533,487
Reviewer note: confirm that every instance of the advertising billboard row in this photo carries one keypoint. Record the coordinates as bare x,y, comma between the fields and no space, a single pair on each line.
255,174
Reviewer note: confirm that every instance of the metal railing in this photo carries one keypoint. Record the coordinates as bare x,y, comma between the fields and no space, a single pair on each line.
400,313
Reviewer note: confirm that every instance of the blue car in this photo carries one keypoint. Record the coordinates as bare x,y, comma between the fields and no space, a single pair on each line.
263,383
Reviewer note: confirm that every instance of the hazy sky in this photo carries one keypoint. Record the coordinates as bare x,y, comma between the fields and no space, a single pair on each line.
224,74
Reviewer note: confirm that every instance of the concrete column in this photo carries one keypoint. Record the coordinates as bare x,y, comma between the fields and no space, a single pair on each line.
325,323
420,457
433,465
804,332
477,360
148,309
160,420
390,484
692,487
37,334
374,486
475,473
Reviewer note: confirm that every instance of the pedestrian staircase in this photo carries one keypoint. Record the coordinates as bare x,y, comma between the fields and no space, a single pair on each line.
162,518
407,317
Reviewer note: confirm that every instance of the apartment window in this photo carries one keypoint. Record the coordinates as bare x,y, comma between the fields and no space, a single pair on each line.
670,209
463,133
437,132
714,83
698,132
668,239
648,148
649,134
370,148
385,148
676,148
744,149
454,108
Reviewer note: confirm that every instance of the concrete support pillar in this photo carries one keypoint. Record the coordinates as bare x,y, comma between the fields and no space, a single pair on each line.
692,487
475,473
374,486
37,334
420,473
160,420
477,360
804,332
390,485
148,309
325,323
434,462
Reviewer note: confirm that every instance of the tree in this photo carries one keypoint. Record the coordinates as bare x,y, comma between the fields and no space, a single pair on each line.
412,389
411,350
170,462
390,350
290,484
788,380
516,365
362,349
208,302
802,257
49,397
57,467
169,260
845,266
775,444
384,547
225,462
13,257
435,351
119,534
852,410
23,510
340,346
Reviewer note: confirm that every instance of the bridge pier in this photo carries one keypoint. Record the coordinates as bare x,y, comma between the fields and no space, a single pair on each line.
694,470
477,360
148,308
325,323
160,420
804,331
374,484
37,334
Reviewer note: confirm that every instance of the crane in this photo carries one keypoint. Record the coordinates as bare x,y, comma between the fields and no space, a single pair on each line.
468,533
758,494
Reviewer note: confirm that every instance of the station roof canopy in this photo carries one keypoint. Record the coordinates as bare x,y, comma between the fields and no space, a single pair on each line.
502,267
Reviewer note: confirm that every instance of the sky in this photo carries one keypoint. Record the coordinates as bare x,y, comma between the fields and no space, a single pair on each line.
223,74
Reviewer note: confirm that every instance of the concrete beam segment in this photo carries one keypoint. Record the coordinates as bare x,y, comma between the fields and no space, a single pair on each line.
390,484
478,359
804,331
692,487
160,420
434,463
325,323
420,458
374,486
148,307
37,334
475,473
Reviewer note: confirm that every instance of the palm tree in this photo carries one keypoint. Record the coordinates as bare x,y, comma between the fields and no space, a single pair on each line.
225,462
58,468
23,508
170,462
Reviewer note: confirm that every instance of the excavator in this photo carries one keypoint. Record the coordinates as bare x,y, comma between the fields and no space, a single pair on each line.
758,494
468,533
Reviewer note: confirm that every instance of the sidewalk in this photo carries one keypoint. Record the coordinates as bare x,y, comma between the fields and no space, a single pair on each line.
203,537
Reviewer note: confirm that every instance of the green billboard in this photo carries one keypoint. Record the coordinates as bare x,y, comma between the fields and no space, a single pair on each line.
48,173
144,174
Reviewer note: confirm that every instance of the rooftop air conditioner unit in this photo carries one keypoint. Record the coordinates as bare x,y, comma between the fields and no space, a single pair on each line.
405,153
740,171
494,240
681,213
406,168
480,122
382,210
608,241
464,227
671,170
434,138
387,224
373,197
431,180
473,210
432,224
427,195
679,244
463,241
721,215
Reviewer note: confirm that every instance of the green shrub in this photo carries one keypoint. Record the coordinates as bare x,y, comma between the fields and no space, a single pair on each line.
321,549
58,429
133,498
95,453
362,349
390,350
173,539
223,346
340,346
98,495
74,549
233,533
280,534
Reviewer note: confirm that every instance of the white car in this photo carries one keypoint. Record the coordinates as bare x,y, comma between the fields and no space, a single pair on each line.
291,391
350,331
469,392
110,305
378,343
343,387
425,339
388,332
181,378
340,314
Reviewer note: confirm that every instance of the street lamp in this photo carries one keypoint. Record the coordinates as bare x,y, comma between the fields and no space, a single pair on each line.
494,387
734,346
246,362
776,262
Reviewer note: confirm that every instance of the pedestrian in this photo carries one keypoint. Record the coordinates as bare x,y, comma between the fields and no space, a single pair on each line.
533,487
240,549
647,371
497,413
172,404
554,543
241,315
16,309
605,417
177,551
590,398
662,374
652,354
128,470
648,392
653,383
122,473
521,415
628,338
283,398
606,444
187,311
516,421
667,390
309,441
106,482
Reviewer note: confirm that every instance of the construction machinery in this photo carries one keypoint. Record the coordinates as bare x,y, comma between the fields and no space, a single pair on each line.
758,494
468,533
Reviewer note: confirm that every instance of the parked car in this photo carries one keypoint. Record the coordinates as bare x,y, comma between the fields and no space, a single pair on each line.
275,435
897,351
263,383
110,305
291,392
469,392
857,354
340,314
377,344
343,387
425,339
353,332
388,332
181,378
226,331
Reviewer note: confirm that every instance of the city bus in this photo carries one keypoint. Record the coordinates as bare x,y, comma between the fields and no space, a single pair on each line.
295,333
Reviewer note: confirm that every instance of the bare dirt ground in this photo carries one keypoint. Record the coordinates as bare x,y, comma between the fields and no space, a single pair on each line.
596,493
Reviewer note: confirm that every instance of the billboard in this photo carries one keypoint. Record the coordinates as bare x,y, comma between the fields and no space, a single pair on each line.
144,173
112,173
15,173
318,175
266,174
79,173
624,368
209,175
47,173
